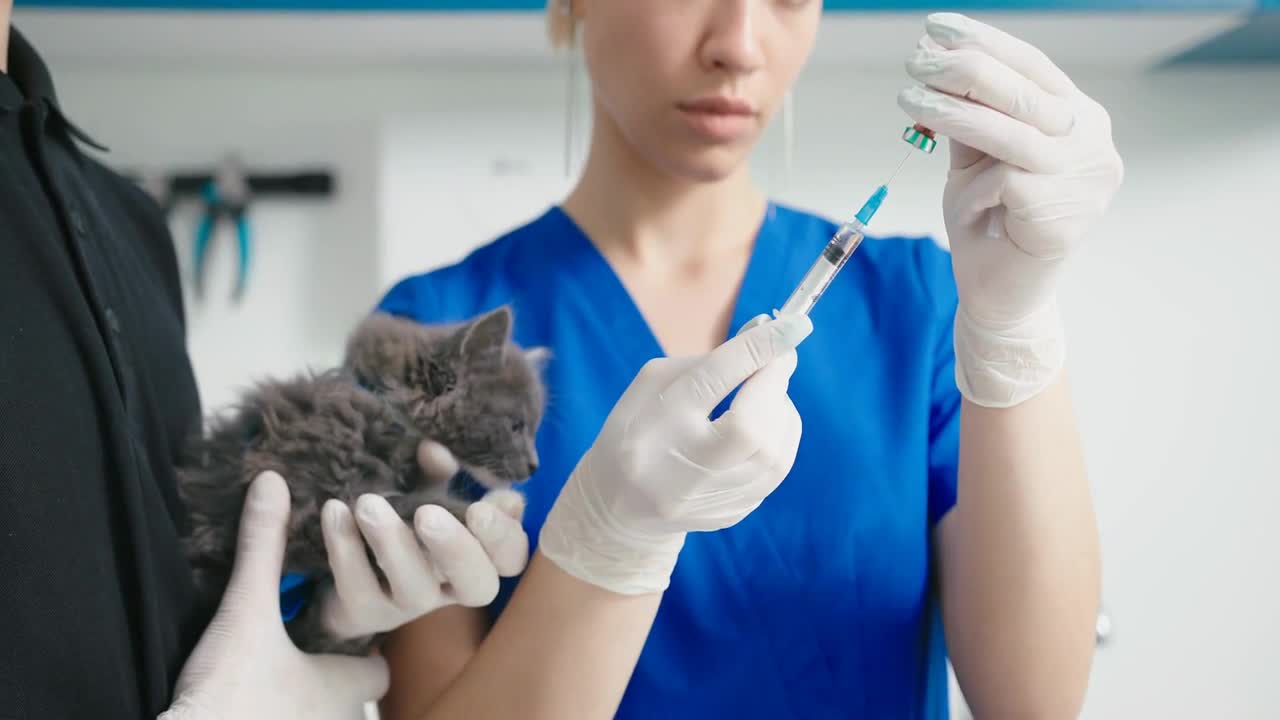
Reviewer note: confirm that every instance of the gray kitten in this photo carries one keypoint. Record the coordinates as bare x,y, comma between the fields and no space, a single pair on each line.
356,429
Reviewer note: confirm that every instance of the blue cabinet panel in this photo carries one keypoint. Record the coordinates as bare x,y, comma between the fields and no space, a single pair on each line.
1254,42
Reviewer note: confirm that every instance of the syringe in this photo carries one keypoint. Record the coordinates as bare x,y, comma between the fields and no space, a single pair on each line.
847,239
833,257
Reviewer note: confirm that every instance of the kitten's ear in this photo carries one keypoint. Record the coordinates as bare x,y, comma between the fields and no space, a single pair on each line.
381,348
538,357
486,337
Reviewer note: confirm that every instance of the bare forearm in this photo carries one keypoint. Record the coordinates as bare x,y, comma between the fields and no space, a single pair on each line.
1020,561
561,649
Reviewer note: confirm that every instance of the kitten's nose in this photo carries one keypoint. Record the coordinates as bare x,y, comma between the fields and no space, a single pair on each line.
533,466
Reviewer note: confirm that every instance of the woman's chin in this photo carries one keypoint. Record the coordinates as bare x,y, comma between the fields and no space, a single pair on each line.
707,165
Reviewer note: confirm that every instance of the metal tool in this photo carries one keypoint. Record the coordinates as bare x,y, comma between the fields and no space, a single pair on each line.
226,196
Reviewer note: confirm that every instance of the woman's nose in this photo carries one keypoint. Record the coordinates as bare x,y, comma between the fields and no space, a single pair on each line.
732,42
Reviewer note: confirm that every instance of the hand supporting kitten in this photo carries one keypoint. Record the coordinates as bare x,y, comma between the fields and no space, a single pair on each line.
356,436
437,563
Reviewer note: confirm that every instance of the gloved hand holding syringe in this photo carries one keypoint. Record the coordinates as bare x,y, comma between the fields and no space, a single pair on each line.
849,236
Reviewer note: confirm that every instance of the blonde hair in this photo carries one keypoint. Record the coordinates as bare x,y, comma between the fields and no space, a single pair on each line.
562,26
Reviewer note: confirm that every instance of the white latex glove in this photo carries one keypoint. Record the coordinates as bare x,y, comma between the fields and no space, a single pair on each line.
453,565
660,469
245,667
1033,166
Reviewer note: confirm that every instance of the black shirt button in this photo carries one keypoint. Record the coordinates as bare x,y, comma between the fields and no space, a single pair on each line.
77,222
113,322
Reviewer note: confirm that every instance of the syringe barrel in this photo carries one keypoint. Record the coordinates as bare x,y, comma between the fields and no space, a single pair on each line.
824,269
849,237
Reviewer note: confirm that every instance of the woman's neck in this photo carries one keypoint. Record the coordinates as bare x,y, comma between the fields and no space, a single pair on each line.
632,209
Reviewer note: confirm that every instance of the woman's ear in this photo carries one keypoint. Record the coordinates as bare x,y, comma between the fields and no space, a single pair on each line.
562,22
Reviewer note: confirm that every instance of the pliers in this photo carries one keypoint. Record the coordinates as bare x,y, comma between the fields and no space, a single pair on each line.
226,195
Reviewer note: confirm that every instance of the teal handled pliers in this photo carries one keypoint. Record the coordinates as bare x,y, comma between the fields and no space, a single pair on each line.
225,197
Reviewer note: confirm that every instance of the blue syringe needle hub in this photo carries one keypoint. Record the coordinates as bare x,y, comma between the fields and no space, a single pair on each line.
872,205
833,257
849,236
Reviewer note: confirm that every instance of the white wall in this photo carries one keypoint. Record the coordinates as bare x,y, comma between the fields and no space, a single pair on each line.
1171,310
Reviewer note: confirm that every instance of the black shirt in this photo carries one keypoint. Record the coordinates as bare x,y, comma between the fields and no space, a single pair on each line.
97,609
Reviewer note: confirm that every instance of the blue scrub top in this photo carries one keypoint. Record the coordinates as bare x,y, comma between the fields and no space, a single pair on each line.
820,603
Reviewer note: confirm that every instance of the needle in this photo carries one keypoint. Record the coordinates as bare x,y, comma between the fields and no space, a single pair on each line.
899,168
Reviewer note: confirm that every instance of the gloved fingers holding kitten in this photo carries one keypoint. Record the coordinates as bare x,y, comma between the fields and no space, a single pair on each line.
382,532
438,562
245,665
500,533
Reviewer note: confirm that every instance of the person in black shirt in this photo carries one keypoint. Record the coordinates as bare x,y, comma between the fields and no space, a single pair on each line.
98,616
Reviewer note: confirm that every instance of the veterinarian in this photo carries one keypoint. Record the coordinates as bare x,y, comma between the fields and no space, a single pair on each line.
938,501
97,611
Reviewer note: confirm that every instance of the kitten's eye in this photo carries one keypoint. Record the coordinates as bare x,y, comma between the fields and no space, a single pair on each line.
517,426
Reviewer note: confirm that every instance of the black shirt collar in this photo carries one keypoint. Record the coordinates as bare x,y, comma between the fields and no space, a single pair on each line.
28,79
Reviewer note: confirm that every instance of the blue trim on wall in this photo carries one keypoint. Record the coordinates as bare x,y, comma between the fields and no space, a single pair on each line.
1039,5
537,5
297,5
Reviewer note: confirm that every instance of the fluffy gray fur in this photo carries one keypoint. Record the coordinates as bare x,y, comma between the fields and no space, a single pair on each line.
356,429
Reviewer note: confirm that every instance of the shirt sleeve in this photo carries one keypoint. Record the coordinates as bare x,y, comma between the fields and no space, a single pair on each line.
934,264
411,297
